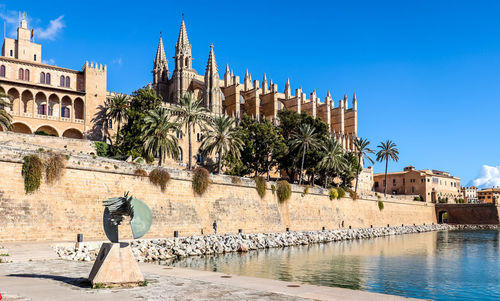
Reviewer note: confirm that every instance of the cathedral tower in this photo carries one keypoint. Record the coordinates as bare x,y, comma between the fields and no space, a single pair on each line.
183,72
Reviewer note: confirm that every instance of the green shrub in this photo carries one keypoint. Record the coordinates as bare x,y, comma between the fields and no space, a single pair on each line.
460,201
54,168
67,157
201,180
159,177
260,185
306,189
417,198
115,166
235,180
273,189
284,190
32,173
139,172
380,205
101,148
333,194
341,193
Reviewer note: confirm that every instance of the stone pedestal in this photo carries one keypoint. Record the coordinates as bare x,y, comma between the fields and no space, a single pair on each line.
115,265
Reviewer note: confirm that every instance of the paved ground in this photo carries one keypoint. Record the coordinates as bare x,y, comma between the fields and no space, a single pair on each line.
35,275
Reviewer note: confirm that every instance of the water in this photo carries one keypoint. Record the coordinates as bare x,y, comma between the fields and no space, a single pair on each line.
445,265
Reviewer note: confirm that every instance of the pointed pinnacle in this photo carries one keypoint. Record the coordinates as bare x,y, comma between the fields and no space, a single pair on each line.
227,68
354,97
328,94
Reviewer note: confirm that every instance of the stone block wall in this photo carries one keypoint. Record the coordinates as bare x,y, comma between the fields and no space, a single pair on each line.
73,204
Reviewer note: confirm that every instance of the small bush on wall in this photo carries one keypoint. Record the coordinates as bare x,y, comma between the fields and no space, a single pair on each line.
139,172
341,193
159,177
235,180
306,189
273,189
54,168
201,180
32,173
284,190
101,148
260,184
380,205
333,194
353,194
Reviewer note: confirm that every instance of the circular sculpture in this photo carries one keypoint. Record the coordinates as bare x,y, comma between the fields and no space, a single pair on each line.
116,208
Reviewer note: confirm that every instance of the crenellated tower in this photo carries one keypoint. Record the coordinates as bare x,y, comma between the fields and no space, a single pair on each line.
160,71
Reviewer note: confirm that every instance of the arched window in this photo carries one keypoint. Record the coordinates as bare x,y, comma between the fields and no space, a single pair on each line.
47,78
61,82
2,71
180,154
21,73
67,81
26,74
179,134
42,77
187,62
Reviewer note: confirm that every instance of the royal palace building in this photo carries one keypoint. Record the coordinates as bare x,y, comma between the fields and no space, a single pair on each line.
45,98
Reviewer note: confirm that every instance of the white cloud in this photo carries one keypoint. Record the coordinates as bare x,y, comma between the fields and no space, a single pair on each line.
117,61
51,32
11,20
489,176
49,62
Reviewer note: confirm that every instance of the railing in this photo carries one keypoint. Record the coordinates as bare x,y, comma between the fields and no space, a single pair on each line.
53,117
27,115
78,120
65,119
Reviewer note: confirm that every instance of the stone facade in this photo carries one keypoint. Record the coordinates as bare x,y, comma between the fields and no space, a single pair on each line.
59,101
430,185
74,204
228,95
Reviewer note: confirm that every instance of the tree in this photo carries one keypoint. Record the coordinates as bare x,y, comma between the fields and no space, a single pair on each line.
5,118
130,143
387,150
190,113
333,160
117,108
363,152
157,135
305,138
222,138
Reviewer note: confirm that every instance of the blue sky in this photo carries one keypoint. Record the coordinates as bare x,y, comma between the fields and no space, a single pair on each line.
426,73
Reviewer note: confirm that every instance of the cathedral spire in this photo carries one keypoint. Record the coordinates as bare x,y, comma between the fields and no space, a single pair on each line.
183,37
160,54
211,64
160,70
288,90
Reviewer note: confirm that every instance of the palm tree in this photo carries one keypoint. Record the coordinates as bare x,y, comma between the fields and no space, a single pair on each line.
333,159
363,151
223,139
190,113
5,118
305,138
116,108
387,151
157,135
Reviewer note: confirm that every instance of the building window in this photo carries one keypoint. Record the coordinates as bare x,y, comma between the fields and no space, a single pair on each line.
47,78
21,74
67,81
65,112
393,182
110,124
413,190
180,154
61,81
179,134
34,57
199,158
41,109
2,71
42,78
11,53
376,184
26,74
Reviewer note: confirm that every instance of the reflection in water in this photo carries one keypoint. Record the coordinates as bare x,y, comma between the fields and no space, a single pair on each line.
454,265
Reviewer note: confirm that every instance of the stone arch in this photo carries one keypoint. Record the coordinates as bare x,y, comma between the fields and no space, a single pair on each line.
21,127
443,217
15,100
79,108
48,129
27,101
41,103
54,106
73,133
66,107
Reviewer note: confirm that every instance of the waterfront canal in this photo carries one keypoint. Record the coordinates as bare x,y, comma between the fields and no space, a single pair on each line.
444,265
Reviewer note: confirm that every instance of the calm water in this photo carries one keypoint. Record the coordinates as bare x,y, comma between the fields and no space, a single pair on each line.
454,265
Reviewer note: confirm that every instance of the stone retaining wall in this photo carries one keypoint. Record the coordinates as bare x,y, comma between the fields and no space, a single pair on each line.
74,204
